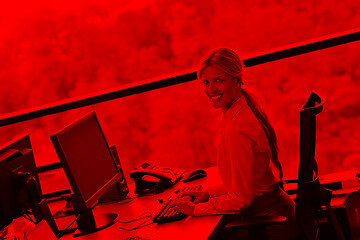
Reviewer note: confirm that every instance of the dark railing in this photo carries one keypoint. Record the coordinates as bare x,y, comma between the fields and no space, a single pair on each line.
177,78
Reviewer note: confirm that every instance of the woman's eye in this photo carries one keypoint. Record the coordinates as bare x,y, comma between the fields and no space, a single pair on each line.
205,82
219,80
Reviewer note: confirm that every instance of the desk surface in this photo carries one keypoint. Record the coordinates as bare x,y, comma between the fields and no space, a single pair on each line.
189,228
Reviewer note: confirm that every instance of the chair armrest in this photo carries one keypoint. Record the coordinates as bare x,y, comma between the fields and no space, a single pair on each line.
245,222
290,186
291,181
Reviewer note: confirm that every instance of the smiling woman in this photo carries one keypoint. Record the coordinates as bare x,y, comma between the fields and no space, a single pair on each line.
246,152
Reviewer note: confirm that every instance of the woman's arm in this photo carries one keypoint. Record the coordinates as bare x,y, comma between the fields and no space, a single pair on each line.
235,169
217,190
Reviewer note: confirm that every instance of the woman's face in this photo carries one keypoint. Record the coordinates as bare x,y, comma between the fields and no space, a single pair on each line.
220,87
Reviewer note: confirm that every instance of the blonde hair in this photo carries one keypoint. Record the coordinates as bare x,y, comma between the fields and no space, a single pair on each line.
231,64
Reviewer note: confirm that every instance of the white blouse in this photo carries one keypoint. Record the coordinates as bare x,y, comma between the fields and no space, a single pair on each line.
243,160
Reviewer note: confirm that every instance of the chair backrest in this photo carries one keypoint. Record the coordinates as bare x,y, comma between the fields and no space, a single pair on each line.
310,194
308,169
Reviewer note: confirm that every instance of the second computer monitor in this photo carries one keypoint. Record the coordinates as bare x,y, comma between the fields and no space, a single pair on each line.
86,159
15,156
90,168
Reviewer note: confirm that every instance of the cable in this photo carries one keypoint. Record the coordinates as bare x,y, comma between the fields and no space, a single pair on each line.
141,225
27,216
131,198
137,218
55,215
62,232
137,238
146,215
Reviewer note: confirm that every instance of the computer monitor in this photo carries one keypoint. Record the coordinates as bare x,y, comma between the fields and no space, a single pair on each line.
19,184
90,168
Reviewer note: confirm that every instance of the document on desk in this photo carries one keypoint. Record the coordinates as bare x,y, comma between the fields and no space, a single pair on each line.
42,231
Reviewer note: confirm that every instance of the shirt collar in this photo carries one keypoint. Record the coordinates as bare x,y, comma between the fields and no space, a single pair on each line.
233,110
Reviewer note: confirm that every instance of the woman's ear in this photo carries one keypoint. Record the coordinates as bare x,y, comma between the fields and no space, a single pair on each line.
237,81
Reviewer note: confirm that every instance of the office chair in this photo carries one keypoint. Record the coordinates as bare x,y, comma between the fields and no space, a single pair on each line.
311,196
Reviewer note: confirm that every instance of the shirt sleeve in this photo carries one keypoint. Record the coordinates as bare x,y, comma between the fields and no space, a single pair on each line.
217,190
239,184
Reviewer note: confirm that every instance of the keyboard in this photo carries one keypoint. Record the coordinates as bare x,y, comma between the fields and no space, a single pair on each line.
167,213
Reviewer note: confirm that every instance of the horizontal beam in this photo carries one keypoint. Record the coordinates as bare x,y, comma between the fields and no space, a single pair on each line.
94,98
303,47
176,78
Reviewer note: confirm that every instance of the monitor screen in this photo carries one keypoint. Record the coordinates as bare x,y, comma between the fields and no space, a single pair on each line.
86,158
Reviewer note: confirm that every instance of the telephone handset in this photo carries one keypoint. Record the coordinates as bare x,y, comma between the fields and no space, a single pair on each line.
149,178
141,173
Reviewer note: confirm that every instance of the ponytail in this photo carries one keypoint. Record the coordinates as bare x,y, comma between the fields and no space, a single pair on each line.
268,129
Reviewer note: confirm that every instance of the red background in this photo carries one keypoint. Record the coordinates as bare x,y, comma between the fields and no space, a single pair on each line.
57,50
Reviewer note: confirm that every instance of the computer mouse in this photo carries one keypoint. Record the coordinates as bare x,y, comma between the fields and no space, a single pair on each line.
194,174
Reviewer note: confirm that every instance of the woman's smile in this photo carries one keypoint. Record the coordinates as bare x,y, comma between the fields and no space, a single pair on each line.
216,97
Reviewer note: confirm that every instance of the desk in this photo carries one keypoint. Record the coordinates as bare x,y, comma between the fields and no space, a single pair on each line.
189,228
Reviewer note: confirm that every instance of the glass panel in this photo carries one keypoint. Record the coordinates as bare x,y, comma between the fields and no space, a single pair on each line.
176,126
50,52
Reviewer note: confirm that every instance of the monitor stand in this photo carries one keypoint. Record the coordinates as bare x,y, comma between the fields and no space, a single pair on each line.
87,222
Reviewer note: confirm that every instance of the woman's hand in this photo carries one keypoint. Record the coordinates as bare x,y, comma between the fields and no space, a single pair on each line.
199,196
184,205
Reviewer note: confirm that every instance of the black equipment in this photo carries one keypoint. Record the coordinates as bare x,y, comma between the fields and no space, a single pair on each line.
152,179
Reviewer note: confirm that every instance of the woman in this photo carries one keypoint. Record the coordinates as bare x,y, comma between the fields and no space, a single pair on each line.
247,156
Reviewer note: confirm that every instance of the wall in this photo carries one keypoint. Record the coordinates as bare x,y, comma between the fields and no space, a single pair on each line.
51,51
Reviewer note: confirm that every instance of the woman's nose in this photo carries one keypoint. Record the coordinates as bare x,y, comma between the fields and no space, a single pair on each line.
212,88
